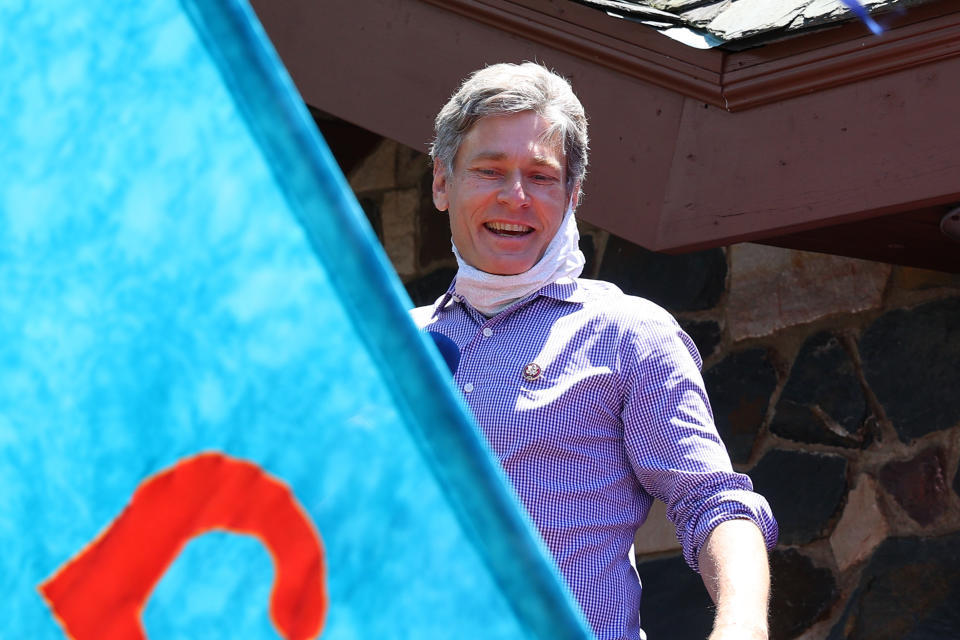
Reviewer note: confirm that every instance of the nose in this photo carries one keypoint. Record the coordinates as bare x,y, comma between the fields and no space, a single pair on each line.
512,192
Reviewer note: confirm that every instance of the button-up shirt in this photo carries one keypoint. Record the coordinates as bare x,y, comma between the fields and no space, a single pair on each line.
593,403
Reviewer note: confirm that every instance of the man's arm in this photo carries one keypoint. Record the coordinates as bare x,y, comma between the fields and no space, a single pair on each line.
734,568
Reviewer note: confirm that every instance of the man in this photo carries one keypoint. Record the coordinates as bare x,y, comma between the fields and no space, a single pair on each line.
591,400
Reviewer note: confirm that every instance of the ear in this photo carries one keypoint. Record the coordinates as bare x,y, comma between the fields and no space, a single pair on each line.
440,199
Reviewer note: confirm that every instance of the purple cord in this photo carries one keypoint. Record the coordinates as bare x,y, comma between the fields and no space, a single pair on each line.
862,13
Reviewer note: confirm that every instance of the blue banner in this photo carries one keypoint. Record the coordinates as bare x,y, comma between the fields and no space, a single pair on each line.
216,419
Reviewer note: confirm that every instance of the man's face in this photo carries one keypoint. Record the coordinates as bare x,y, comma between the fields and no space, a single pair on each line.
505,194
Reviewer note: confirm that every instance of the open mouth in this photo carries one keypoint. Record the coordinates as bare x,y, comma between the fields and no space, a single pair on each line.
508,230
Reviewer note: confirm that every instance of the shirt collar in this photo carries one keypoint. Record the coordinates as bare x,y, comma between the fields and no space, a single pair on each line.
564,290
442,303
567,290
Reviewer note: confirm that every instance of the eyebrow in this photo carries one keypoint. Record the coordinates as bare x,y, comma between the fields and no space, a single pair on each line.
542,161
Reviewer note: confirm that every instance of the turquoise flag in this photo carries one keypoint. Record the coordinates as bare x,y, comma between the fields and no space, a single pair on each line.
216,419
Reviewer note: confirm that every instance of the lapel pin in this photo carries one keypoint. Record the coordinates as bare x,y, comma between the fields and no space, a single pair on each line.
531,372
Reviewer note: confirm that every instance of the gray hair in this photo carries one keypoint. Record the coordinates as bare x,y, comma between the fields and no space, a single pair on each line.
513,88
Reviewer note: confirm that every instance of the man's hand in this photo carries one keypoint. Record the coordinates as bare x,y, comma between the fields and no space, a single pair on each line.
734,568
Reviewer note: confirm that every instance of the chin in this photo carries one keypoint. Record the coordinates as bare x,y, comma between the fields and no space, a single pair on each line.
502,265
508,269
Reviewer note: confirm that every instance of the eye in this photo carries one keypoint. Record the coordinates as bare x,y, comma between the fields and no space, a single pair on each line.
544,178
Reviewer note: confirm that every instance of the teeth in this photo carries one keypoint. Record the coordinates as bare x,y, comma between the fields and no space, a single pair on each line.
502,226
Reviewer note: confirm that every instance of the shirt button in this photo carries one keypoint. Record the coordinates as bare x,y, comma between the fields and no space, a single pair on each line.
487,332
468,387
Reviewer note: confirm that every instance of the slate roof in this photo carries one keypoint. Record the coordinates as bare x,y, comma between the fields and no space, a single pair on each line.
746,22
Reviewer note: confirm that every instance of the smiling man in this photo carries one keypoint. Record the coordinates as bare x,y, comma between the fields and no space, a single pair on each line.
591,400
508,198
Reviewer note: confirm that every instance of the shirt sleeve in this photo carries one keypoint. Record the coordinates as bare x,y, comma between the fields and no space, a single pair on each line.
673,445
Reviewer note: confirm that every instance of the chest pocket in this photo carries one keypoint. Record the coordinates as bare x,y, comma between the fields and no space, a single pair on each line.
572,390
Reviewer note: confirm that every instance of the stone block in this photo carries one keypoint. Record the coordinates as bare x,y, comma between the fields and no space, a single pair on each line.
706,335
371,208
589,250
740,387
657,534
911,279
688,282
773,288
426,289
942,620
822,402
956,482
861,527
804,490
675,604
592,242
412,166
919,485
800,593
399,217
434,229
910,360
910,590
378,171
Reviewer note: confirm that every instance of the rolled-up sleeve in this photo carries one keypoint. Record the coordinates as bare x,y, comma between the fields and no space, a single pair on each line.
672,442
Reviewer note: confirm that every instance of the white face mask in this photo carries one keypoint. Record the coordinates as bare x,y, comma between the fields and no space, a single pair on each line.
561,262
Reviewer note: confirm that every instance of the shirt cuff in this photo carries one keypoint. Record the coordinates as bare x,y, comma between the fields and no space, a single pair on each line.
728,505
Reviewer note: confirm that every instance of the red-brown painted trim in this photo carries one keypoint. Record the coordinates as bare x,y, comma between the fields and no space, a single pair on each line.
832,58
653,58
840,63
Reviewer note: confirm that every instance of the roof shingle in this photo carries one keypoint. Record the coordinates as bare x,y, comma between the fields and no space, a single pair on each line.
735,21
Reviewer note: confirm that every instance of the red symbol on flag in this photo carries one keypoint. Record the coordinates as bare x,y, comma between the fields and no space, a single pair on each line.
99,594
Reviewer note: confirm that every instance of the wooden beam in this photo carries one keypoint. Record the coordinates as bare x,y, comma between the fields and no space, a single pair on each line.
883,145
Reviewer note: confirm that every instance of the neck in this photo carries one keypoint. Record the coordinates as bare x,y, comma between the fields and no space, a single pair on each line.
491,294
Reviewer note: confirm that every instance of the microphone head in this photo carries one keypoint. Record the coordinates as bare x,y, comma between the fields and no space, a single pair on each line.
448,349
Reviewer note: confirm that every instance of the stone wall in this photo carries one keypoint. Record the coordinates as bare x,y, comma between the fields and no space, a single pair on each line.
835,384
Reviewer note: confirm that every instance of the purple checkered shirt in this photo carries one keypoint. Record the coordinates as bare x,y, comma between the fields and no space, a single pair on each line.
613,415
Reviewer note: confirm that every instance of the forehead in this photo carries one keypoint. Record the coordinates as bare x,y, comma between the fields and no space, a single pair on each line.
525,135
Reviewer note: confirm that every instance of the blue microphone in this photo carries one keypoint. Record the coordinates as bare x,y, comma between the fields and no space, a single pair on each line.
448,349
